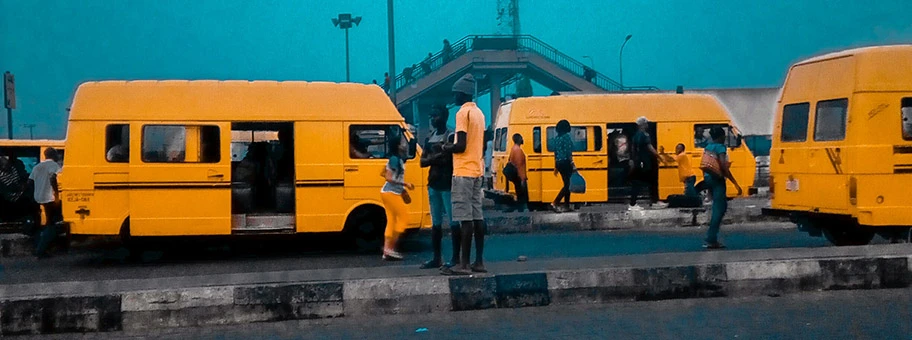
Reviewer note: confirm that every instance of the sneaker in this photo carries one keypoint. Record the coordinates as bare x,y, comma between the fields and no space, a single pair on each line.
432,264
713,245
659,205
556,209
453,271
391,255
634,208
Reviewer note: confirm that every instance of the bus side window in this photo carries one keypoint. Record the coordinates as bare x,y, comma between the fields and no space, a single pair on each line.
117,143
907,118
597,137
536,139
830,120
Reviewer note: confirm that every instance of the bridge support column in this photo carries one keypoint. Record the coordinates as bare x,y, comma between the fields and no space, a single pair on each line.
495,81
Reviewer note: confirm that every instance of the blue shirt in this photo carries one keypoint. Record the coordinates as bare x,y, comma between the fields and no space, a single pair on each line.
397,166
721,153
563,148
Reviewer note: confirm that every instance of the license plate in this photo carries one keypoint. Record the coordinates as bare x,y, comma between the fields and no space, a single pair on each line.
791,185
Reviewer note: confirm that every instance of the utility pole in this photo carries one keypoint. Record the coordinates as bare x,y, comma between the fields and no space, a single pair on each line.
30,127
9,100
392,51
345,21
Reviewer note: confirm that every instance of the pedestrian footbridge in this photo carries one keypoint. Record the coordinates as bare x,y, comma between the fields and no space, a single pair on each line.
495,61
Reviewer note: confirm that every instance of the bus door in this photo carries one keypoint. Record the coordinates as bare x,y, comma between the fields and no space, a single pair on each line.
180,181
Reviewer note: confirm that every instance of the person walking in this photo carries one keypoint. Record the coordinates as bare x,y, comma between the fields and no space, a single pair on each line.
517,159
44,180
440,183
395,197
386,81
563,164
685,171
468,172
447,51
716,169
644,158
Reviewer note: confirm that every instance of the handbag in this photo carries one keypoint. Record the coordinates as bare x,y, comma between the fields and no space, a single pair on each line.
710,163
406,197
577,183
510,171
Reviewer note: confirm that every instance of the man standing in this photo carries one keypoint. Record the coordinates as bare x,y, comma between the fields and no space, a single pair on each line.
440,182
468,170
44,179
644,168
518,159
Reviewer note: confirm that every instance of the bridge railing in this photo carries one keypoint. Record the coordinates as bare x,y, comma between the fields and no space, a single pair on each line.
524,43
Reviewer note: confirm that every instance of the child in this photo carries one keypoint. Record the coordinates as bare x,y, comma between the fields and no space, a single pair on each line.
685,171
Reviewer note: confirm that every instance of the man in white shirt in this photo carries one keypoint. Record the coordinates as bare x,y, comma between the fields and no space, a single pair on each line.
44,179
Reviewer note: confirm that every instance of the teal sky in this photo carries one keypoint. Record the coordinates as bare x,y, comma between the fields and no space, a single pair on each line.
52,46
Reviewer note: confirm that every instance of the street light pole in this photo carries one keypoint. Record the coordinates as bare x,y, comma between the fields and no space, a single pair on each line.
621,61
392,51
30,127
591,61
345,21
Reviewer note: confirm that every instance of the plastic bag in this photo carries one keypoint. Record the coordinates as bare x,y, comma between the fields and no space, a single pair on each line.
577,183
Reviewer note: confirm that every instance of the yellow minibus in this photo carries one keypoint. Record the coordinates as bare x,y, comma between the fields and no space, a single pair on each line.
841,158
185,158
601,126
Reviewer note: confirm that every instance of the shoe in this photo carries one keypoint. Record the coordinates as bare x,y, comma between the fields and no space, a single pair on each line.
659,205
713,245
449,271
432,264
391,255
556,209
479,268
634,208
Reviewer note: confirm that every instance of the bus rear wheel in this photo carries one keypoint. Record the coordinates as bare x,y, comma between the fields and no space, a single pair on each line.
851,236
365,228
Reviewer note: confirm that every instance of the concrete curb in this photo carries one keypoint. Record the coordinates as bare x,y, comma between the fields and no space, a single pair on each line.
234,304
13,245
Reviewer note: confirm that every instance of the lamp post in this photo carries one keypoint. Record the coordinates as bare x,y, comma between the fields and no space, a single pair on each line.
30,127
392,51
345,21
621,61
591,61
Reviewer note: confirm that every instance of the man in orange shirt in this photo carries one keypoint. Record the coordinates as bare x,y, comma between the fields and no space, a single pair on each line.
685,171
518,159
468,174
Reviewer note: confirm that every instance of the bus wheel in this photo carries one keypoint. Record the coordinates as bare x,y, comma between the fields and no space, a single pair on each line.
132,244
365,227
851,236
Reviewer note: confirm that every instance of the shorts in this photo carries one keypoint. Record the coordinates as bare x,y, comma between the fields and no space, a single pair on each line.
467,199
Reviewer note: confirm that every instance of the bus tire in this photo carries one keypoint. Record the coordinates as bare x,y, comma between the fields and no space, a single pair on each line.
131,243
849,236
365,227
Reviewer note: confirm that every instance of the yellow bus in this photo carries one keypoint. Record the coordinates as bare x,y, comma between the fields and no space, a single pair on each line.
841,158
182,158
30,152
601,124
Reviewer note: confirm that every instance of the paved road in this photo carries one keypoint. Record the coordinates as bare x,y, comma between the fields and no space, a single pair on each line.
189,257
880,314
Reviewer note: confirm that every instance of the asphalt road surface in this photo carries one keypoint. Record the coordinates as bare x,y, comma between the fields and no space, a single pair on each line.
205,257
876,314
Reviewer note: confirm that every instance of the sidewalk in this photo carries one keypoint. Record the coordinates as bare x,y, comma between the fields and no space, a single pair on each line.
307,294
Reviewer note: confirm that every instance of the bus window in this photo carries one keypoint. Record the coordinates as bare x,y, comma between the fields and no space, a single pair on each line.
371,141
907,118
702,138
795,122
830,120
536,139
577,135
117,143
169,144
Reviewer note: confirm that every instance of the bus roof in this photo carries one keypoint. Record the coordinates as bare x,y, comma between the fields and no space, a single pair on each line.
602,108
57,143
875,68
210,100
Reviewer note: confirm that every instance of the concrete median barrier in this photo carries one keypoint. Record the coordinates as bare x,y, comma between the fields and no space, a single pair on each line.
113,306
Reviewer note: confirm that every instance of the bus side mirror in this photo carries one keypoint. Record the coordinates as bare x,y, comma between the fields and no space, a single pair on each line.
413,148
